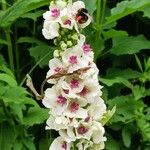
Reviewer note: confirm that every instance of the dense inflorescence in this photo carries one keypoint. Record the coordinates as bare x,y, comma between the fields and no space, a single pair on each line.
74,100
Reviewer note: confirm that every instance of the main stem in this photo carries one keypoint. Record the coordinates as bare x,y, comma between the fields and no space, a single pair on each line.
10,49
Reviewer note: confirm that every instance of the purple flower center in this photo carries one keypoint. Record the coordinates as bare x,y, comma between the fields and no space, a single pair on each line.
82,130
83,92
67,22
55,12
61,100
74,107
57,69
86,48
73,59
64,145
74,83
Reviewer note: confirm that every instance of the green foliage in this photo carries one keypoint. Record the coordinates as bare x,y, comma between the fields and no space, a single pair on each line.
129,45
18,9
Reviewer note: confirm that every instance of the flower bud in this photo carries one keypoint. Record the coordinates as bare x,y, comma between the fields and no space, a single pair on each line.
56,53
69,43
63,46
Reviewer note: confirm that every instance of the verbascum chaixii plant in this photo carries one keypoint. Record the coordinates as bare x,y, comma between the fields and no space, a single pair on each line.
76,107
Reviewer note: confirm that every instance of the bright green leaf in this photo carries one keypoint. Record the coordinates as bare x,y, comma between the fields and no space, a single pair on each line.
36,115
18,9
113,33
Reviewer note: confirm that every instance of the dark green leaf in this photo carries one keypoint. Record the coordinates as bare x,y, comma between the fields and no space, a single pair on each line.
126,136
40,52
129,45
7,136
125,8
30,40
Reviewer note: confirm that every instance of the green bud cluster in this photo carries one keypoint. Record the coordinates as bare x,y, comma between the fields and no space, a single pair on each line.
66,39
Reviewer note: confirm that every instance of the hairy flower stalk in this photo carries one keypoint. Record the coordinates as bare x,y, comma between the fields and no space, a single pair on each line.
74,100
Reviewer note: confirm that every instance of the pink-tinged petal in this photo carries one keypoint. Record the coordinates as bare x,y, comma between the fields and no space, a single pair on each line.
86,48
67,22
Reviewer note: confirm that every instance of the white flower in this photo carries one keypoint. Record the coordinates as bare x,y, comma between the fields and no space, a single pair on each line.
54,100
57,123
68,134
74,60
98,133
97,109
74,110
50,30
60,144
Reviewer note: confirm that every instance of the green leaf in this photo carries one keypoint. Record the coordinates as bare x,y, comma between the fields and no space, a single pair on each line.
108,115
90,6
146,12
3,42
139,63
125,8
30,40
129,45
113,33
8,79
110,82
7,136
125,73
125,108
126,136
18,9
34,15
41,51
28,143
36,115
111,144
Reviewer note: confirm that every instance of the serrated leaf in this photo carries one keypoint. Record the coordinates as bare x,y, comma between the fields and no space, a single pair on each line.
126,136
129,45
125,8
113,33
40,52
35,115
18,9
125,108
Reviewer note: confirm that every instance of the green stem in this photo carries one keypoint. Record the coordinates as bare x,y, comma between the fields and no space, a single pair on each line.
98,16
17,56
10,49
103,11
